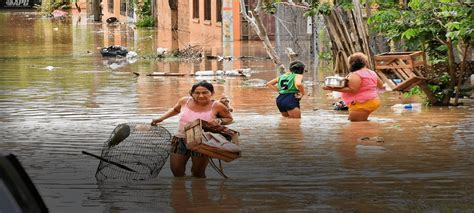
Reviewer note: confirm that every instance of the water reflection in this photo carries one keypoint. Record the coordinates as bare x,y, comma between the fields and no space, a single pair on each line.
289,136
198,195
314,164
360,140
131,196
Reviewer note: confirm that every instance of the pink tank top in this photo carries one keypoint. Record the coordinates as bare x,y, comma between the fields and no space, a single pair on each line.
187,115
367,90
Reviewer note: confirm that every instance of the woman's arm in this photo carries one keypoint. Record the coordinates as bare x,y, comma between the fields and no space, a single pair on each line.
223,116
170,113
272,84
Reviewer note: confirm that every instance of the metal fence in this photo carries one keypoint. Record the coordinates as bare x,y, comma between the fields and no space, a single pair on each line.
297,32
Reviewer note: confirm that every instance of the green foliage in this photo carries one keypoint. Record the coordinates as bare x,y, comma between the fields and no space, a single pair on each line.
435,26
145,18
270,6
49,6
425,23
325,8
347,5
439,86
143,8
413,91
327,56
146,21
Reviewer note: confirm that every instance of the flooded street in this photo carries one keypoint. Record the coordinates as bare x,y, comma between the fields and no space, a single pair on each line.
59,97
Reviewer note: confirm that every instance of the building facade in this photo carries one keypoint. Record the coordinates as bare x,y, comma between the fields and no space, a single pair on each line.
193,21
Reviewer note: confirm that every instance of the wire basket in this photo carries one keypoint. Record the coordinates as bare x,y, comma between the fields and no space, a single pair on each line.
134,151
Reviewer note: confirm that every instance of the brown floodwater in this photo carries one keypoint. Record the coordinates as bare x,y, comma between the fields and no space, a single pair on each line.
59,97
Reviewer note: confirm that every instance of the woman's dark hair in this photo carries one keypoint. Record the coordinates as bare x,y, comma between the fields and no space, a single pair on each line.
297,67
357,61
204,84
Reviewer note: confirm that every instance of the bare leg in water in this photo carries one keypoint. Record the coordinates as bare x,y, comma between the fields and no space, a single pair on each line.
359,115
294,113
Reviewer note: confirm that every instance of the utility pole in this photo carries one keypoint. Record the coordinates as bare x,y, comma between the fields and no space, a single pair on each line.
96,10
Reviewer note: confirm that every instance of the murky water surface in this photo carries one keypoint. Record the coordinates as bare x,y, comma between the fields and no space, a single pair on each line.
59,97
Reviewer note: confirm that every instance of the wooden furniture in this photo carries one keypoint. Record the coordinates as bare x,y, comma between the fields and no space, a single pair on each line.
400,70
196,141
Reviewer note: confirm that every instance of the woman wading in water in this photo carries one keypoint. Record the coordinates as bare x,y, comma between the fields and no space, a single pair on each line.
199,106
360,94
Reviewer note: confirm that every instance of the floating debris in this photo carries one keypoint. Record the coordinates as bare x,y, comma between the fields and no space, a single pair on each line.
255,83
377,139
50,68
113,51
166,74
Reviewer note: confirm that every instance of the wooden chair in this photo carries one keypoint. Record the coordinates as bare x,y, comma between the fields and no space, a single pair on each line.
400,69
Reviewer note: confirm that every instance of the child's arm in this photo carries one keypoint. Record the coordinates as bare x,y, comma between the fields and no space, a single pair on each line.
299,84
272,85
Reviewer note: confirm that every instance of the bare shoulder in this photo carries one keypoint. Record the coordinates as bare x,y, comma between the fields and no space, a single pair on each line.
353,75
183,100
219,105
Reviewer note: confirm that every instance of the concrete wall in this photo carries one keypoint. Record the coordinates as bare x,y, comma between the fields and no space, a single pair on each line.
116,11
187,30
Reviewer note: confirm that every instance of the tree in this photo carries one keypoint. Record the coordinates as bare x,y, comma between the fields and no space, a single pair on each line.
253,17
342,46
436,27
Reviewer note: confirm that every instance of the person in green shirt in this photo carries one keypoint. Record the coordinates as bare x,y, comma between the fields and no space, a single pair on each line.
290,87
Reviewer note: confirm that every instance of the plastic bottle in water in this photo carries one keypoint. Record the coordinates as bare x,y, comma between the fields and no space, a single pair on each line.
411,106
407,106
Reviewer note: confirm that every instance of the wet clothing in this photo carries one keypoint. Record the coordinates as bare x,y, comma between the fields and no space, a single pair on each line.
287,88
366,98
367,90
287,102
370,105
187,115
179,147
286,83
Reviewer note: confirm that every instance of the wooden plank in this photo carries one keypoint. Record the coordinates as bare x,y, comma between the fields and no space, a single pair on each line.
393,55
338,33
364,31
418,73
416,54
407,72
391,66
353,28
399,75
419,64
405,85
346,40
333,33
166,74
410,59
415,83
343,28
386,80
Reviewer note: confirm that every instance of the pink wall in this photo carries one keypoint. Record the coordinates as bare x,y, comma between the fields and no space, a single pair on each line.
116,11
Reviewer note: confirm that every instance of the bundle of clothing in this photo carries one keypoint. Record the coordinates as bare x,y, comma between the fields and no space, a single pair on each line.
340,105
